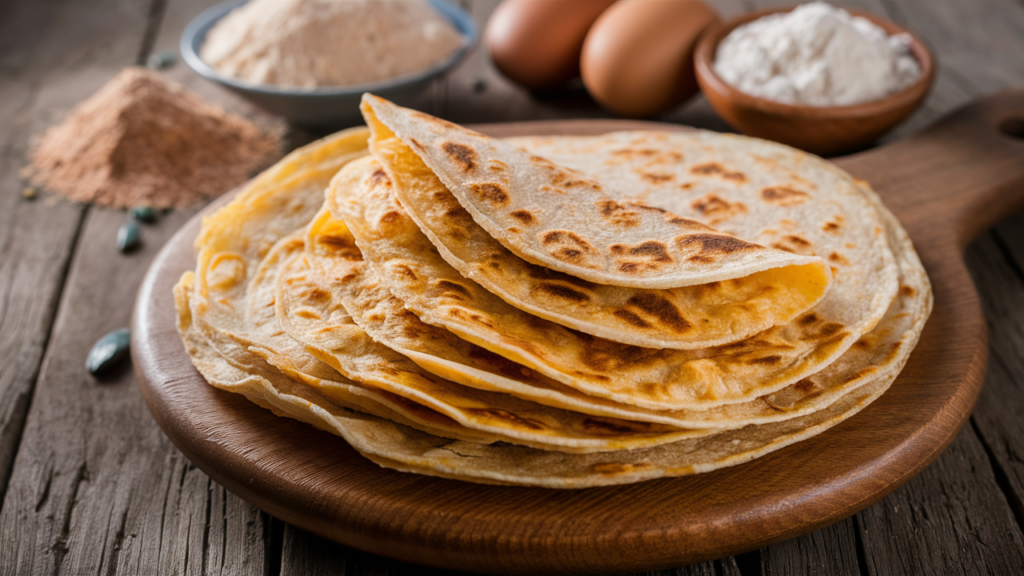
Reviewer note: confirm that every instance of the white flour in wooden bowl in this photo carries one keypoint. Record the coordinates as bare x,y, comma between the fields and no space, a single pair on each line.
316,43
817,55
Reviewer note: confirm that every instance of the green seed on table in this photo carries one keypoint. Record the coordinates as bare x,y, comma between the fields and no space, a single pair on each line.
161,60
128,236
108,351
144,214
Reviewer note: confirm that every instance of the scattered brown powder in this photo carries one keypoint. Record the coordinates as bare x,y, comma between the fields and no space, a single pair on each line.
142,140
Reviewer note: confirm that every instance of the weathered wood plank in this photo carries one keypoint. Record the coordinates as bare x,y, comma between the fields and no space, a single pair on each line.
51,55
96,485
999,416
951,518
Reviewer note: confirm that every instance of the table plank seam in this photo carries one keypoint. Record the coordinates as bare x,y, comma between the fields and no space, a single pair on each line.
1014,501
24,401
1007,252
154,18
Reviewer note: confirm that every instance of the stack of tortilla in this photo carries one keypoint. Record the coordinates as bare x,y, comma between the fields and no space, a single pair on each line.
553,311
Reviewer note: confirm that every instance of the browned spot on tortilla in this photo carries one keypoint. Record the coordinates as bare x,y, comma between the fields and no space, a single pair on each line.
794,244
809,318
832,227
599,425
838,258
651,249
508,417
523,216
490,192
711,244
514,230
480,320
497,166
390,216
308,314
558,236
317,295
804,386
657,178
449,286
783,195
379,177
567,246
830,329
707,169
463,155
863,344
619,214
892,352
629,267
716,169
563,292
631,318
343,246
416,144
407,271
907,290
661,309
773,359
612,468
717,209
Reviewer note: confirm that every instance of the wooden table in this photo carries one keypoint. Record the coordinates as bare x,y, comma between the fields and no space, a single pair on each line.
90,484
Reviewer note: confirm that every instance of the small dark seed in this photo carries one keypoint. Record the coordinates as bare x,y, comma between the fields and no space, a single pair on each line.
128,236
161,60
28,193
108,351
479,85
144,214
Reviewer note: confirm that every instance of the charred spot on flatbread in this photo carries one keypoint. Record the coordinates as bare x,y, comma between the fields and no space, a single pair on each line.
783,195
523,216
707,248
717,209
568,246
464,156
491,192
716,169
618,214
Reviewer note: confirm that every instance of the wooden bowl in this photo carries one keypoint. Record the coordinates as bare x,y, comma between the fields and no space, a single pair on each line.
821,130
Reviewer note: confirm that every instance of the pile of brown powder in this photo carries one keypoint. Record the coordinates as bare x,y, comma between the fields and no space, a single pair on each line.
142,140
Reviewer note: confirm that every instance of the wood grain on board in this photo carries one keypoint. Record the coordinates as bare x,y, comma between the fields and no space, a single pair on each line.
55,54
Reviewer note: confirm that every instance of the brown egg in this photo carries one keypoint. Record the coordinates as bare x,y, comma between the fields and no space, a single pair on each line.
537,43
637,59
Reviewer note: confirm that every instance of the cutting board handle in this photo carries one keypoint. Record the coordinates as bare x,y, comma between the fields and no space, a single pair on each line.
958,177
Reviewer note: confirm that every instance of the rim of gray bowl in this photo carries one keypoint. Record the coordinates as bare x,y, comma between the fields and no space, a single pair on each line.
195,34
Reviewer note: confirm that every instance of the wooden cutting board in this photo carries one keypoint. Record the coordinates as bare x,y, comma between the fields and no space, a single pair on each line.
945,184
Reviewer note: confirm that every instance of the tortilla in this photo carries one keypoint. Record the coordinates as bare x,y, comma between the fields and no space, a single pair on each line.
310,308
394,246
690,317
562,220
396,446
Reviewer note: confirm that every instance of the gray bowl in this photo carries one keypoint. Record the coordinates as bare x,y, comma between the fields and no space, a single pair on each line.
330,107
